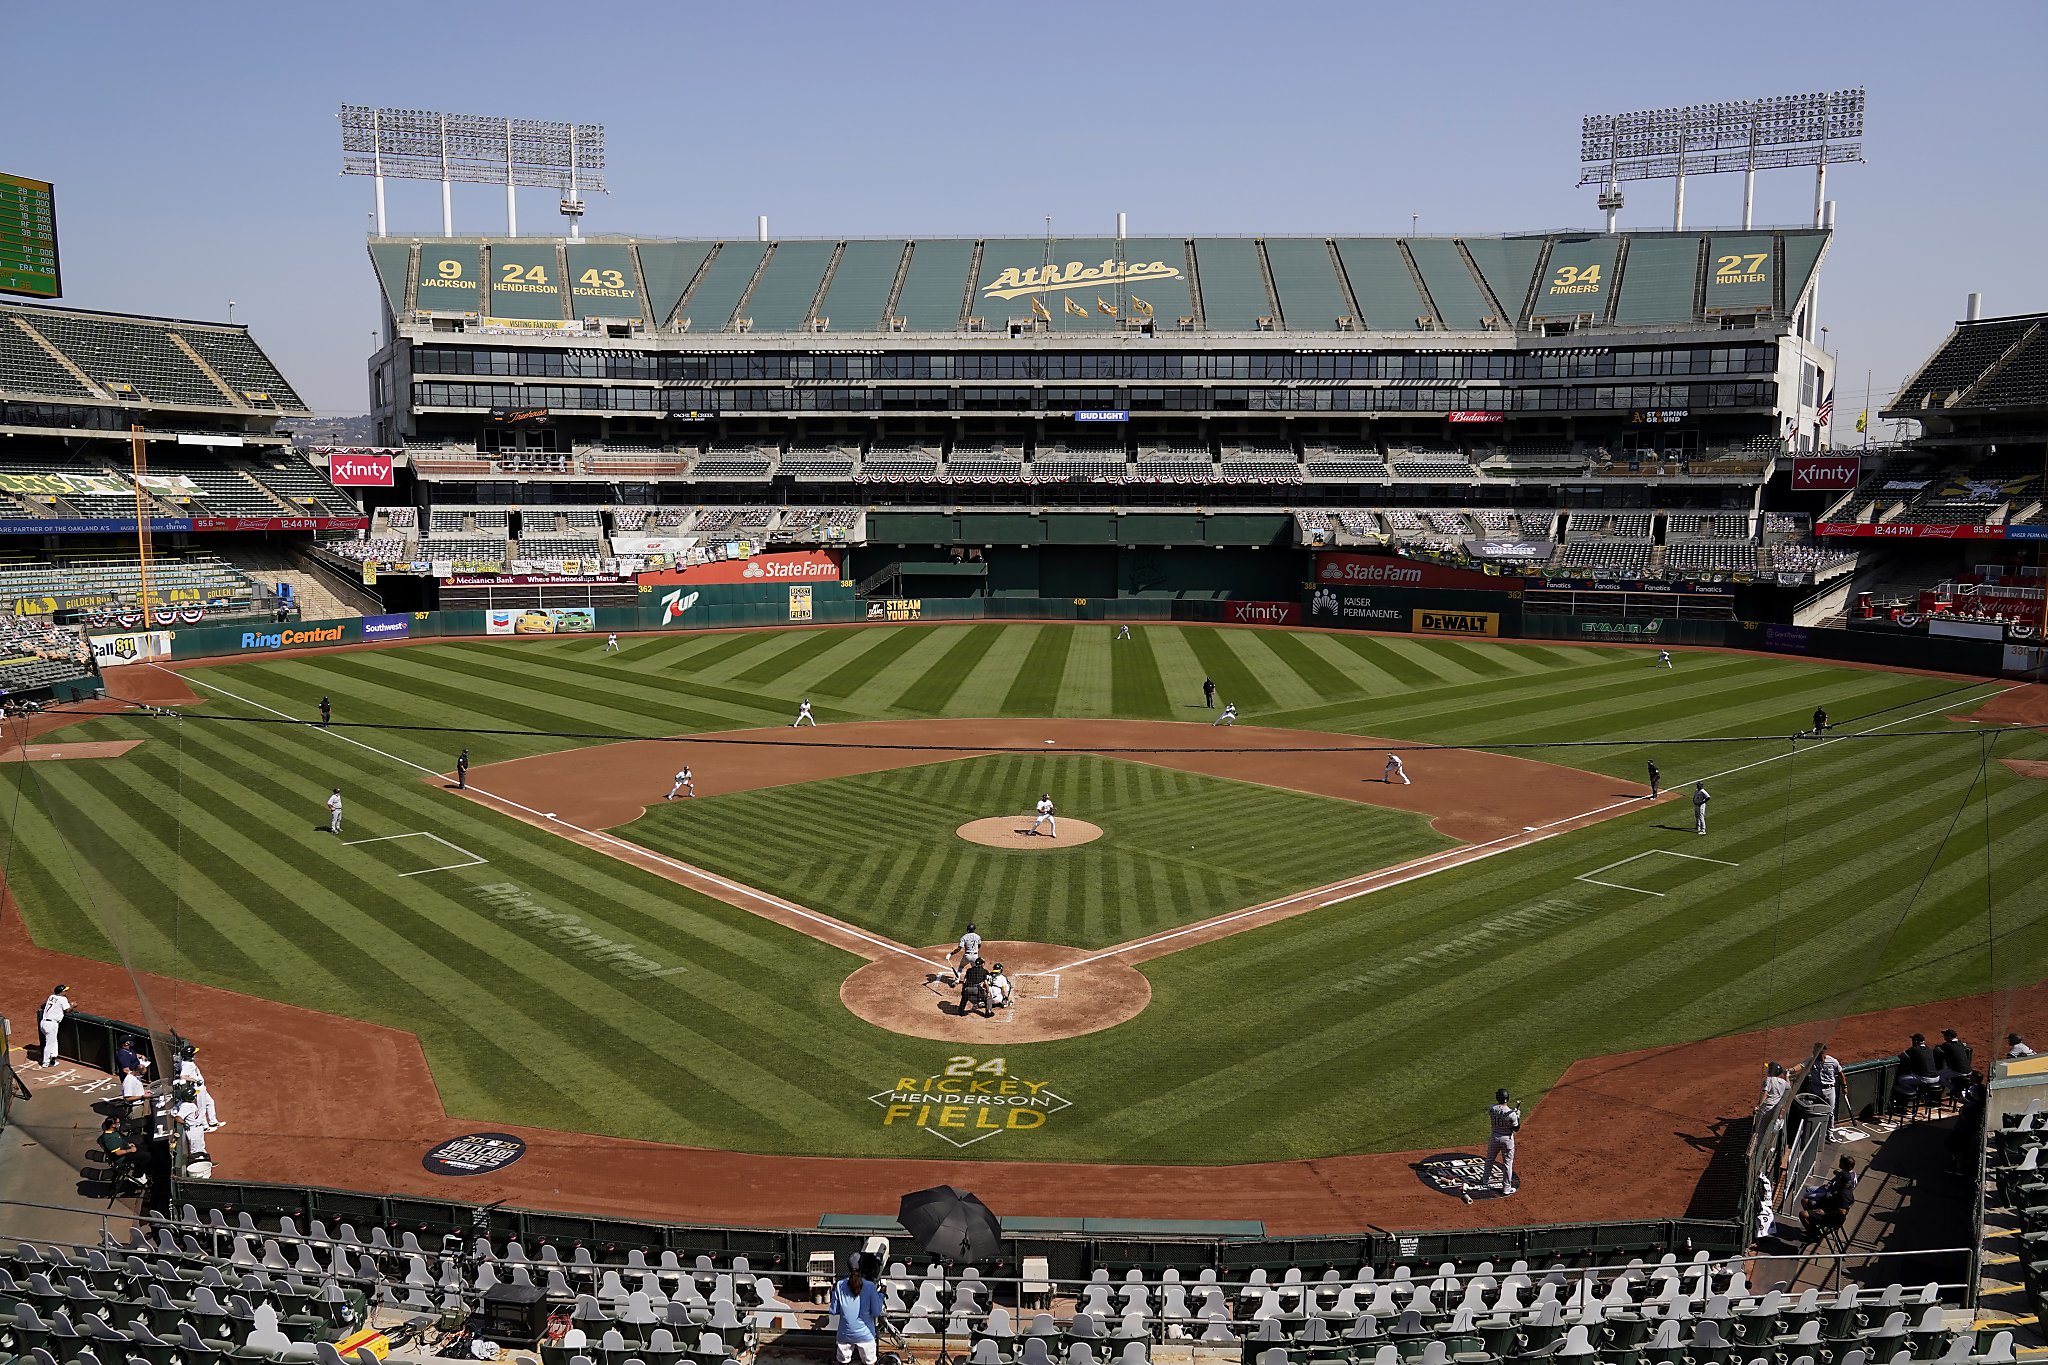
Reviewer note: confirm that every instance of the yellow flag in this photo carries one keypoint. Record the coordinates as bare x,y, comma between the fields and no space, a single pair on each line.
1863,420
1103,308
1076,309
1038,308
1140,307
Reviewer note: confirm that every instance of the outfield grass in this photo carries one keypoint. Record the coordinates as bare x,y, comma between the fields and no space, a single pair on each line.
1866,873
879,850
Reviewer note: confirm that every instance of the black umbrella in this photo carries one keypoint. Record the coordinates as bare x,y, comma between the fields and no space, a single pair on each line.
951,1223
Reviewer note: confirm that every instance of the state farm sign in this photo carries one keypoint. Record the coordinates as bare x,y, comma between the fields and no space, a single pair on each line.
359,471
1390,571
794,566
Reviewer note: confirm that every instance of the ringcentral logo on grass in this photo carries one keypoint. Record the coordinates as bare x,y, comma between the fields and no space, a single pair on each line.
287,639
514,906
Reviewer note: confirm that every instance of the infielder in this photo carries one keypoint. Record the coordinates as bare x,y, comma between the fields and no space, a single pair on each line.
1504,1120
1655,778
611,644
803,713
1700,797
1664,659
684,783
334,811
54,1009
1228,716
1045,816
1395,770
969,949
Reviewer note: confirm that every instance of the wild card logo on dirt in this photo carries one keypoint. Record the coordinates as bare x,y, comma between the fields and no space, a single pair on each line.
1459,1174
474,1154
969,1101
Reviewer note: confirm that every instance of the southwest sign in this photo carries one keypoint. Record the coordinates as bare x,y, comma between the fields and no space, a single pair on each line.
1014,283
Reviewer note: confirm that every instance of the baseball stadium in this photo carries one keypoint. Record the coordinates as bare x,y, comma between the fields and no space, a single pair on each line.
1373,798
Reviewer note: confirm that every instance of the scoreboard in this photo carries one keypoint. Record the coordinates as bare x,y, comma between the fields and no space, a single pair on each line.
28,238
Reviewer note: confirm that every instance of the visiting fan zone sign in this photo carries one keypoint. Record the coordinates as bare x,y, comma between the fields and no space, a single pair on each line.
969,1100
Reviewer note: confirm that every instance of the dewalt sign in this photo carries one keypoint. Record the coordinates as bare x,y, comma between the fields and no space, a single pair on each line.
1429,621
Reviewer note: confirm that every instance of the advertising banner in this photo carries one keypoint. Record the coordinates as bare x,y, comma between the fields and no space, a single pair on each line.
1826,473
64,485
1262,613
539,620
359,471
800,603
1898,530
651,545
1334,567
896,609
292,637
1436,621
790,566
1469,415
130,647
1530,551
387,627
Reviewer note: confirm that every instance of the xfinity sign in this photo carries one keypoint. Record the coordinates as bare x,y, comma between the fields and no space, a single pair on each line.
359,471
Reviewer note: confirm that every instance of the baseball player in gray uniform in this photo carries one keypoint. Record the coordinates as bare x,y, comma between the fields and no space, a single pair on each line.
969,949
1700,797
1504,1120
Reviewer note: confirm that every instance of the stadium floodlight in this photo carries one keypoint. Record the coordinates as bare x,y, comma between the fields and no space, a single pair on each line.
475,149
1818,129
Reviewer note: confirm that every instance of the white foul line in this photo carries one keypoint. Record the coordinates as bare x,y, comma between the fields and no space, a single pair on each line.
1466,854
474,860
1591,879
638,849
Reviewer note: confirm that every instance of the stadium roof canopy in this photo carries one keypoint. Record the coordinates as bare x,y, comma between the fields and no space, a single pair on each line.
1102,286
122,359
1994,365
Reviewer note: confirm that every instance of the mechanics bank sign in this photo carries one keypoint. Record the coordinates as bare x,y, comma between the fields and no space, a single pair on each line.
291,639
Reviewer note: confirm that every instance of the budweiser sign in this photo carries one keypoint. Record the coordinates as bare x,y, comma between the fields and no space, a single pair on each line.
1464,415
359,471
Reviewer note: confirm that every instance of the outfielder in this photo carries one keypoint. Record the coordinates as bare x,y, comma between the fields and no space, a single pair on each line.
1228,716
684,783
1504,1120
969,949
54,1009
1700,797
803,713
334,811
1664,660
1123,632
1045,816
1395,770
611,644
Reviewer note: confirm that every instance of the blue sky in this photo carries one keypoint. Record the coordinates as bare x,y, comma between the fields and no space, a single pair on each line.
195,147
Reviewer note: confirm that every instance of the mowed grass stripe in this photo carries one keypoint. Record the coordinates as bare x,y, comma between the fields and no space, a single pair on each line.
793,653
880,650
1036,689
1136,689
1323,680
1221,661
942,679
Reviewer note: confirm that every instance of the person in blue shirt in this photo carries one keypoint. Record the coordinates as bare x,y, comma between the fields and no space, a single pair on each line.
857,1304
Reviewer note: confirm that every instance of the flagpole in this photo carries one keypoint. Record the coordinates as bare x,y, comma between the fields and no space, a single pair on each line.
1867,374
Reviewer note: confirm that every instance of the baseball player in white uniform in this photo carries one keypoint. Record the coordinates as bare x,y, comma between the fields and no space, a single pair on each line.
1504,1120
998,988
1045,816
1395,772
1123,632
1700,797
969,949
611,644
54,1009
202,1098
684,783
187,1114
1664,660
1228,716
334,811
803,713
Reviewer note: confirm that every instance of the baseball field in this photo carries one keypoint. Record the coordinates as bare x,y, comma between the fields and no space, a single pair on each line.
1268,954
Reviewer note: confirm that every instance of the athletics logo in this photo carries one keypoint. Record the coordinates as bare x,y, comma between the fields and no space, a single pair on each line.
968,1102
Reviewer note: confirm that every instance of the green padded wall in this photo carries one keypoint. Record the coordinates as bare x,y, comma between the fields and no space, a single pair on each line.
1312,298
1380,281
860,286
781,300
1234,294
1658,279
1460,303
934,286
393,261
668,268
1507,263
710,307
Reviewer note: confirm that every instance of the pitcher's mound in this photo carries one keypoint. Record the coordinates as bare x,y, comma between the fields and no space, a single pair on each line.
1014,831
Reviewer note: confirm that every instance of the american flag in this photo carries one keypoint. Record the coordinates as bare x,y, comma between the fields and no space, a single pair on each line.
1826,412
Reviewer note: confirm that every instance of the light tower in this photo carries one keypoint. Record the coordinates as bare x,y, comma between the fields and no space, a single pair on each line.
1710,139
475,149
